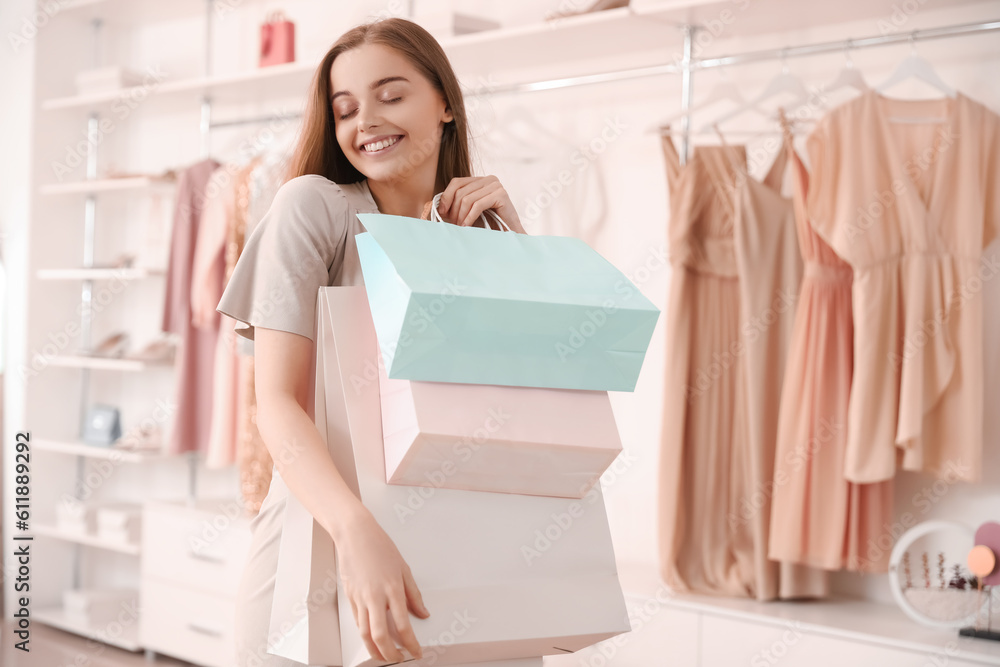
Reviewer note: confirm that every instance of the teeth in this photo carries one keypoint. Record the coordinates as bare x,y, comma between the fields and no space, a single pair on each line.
379,145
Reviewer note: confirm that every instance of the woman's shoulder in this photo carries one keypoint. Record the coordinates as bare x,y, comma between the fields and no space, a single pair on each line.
318,194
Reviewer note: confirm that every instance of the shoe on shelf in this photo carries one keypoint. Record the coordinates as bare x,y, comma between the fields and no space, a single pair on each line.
112,346
597,6
144,437
125,260
161,350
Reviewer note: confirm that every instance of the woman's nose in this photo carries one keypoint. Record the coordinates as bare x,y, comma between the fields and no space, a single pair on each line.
368,118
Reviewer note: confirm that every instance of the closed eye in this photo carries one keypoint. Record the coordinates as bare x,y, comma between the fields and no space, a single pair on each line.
345,116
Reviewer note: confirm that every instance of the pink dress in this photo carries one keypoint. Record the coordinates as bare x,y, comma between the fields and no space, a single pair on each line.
196,357
818,517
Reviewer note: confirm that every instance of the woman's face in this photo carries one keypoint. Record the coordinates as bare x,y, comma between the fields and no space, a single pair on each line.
387,115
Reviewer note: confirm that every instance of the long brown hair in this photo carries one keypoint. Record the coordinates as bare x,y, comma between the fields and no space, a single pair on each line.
318,152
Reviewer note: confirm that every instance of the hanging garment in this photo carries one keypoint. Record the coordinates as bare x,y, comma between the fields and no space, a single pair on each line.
910,206
192,421
254,460
305,241
818,517
207,281
735,275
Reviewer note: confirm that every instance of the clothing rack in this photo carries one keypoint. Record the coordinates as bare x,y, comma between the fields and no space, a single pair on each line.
689,64
686,69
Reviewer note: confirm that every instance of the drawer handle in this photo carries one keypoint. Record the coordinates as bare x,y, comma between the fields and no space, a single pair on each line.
211,632
206,557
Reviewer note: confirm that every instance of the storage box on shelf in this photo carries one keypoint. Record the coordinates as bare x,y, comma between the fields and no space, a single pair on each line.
193,559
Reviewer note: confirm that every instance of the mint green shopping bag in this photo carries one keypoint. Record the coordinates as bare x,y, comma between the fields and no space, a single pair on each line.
479,306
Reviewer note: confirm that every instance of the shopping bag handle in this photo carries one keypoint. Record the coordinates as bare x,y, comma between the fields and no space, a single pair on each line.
501,225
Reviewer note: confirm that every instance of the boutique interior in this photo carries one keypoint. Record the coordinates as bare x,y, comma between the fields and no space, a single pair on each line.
808,192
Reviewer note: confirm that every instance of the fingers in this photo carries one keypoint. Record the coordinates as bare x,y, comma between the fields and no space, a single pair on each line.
475,211
448,196
397,607
463,193
380,632
354,610
414,600
364,628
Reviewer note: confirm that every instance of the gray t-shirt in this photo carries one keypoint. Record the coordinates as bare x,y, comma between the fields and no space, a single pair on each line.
304,242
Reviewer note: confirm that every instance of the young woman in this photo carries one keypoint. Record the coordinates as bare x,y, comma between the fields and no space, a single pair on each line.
385,129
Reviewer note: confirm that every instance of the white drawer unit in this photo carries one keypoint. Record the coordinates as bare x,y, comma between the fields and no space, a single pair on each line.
193,557
186,624
202,546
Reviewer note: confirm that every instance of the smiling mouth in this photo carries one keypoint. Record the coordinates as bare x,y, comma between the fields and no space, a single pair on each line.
380,146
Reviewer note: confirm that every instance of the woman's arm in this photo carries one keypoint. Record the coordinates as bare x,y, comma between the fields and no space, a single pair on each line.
375,576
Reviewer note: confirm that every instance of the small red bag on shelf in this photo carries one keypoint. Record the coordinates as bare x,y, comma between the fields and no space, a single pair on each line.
277,40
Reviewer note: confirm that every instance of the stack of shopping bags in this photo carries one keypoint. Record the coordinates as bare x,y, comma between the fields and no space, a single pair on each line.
462,409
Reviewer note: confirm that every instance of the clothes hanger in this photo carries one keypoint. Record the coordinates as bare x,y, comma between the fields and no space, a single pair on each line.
915,67
849,76
784,82
724,91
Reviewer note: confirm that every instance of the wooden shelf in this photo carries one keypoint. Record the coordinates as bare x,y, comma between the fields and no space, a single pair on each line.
98,274
93,451
57,617
103,363
99,185
87,539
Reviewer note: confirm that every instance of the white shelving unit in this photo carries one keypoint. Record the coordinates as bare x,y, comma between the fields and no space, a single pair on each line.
127,638
104,363
86,539
95,452
101,185
651,28
123,274
278,81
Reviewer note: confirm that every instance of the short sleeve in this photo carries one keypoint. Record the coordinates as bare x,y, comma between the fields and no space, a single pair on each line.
287,258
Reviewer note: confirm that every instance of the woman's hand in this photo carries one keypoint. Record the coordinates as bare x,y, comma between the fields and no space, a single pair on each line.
379,585
465,199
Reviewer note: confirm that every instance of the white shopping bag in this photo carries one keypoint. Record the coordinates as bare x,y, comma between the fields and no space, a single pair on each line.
504,576
305,622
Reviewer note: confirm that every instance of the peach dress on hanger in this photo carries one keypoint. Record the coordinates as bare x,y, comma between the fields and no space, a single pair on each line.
911,206
735,272
818,517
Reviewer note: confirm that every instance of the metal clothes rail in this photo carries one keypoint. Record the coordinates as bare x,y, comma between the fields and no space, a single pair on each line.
686,69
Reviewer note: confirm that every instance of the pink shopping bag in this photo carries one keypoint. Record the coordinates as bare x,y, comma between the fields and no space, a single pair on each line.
277,40
534,441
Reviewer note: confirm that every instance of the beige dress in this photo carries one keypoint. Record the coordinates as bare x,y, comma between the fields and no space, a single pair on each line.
735,275
304,242
911,206
818,517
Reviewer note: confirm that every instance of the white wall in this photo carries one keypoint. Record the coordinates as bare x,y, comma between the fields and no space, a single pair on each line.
17,65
